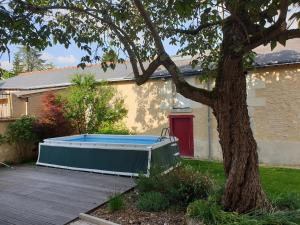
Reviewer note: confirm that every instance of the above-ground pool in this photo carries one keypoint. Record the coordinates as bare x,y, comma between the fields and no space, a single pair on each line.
128,155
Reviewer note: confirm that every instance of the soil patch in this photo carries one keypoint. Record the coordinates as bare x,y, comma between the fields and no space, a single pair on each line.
130,215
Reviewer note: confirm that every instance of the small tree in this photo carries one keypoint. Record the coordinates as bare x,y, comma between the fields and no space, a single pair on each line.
17,67
17,64
4,74
31,60
53,122
91,105
25,60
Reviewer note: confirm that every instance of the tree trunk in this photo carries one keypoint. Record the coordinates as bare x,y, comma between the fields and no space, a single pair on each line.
243,190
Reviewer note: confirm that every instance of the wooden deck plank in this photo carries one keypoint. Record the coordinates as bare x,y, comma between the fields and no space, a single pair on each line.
48,196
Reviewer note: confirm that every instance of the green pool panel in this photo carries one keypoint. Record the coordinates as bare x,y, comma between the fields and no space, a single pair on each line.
112,161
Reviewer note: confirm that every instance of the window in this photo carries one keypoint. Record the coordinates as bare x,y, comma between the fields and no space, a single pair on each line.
5,111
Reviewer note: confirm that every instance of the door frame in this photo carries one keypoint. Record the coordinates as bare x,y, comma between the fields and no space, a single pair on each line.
191,128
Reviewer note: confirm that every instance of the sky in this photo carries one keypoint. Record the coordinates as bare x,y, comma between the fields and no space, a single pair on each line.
59,56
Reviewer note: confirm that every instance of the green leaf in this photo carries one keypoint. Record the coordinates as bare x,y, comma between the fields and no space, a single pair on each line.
282,41
91,104
273,45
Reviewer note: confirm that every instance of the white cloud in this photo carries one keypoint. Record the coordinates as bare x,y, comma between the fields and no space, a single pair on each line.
6,65
71,59
61,60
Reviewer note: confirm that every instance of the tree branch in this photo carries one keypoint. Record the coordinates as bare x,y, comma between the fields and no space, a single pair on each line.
139,78
123,37
197,30
275,35
129,45
271,33
284,5
151,27
283,9
182,86
290,34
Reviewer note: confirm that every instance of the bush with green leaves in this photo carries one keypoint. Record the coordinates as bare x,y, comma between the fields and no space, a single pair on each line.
154,182
152,202
115,128
146,184
180,186
91,105
115,203
188,185
22,135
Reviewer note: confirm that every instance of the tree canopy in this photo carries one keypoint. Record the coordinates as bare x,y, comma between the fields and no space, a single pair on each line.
29,59
193,26
19,28
26,60
4,74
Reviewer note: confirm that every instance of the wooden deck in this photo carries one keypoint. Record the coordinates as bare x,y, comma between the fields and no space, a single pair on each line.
31,195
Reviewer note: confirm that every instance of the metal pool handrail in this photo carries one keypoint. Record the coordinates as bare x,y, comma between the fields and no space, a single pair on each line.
165,133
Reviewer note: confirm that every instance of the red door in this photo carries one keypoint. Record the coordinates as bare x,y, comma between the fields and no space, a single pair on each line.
182,127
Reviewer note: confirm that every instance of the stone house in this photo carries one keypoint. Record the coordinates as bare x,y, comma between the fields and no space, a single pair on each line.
273,103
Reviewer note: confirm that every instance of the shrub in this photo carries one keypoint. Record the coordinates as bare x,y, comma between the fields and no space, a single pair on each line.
53,122
115,203
90,104
117,128
155,182
184,186
21,134
217,194
21,130
146,184
152,202
287,200
3,139
181,186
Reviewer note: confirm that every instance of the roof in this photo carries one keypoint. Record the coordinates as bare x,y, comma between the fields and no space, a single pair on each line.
277,58
61,77
26,93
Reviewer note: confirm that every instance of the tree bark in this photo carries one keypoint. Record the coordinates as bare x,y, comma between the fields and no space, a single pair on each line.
243,190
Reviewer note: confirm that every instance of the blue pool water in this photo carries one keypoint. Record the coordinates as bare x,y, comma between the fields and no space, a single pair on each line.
148,140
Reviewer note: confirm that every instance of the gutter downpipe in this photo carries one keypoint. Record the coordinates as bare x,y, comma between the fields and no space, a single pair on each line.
26,106
209,125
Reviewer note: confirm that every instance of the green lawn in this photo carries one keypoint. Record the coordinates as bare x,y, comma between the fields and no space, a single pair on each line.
274,180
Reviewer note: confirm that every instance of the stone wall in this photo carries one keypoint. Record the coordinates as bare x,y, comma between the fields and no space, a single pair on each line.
273,104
